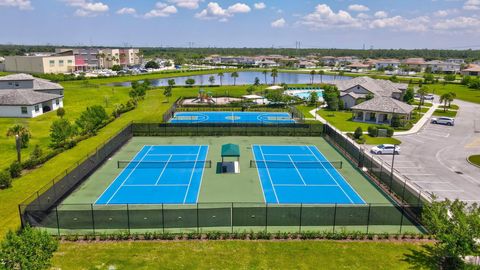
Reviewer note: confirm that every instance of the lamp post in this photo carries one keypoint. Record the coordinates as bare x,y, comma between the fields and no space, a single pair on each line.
18,144
393,162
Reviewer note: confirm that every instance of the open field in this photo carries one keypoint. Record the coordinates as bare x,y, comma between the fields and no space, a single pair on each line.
234,255
462,91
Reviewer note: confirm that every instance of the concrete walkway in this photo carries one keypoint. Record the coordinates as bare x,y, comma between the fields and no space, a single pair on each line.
416,128
318,117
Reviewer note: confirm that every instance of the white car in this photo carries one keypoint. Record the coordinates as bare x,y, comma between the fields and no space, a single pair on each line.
443,121
386,149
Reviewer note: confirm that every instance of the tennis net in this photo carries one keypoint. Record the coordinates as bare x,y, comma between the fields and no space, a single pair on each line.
296,164
161,164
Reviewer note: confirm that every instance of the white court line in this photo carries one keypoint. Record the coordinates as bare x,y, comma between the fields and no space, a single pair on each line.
288,154
293,185
258,173
128,176
163,170
203,171
268,172
299,174
114,180
171,154
161,185
332,176
191,175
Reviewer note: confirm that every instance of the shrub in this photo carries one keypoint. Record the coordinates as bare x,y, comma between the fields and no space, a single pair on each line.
373,131
395,121
358,133
15,169
60,112
361,140
5,180
36,153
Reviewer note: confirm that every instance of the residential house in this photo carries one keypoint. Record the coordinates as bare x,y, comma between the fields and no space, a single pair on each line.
22,95
265,63
456,61
387,63
358,67
328,60
438,66
471,70
417,64
380,110
49,63
305,64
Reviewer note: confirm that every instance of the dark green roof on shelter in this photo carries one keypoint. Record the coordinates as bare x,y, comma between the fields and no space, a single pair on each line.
230,150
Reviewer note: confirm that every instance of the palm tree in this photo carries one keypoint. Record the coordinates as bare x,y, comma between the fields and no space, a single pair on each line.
446,98
220,75
321,72
211,80
312,75
22,132
453,95
234,75
274,74
265,72
422,92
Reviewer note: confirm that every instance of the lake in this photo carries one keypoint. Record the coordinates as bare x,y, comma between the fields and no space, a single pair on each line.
244,78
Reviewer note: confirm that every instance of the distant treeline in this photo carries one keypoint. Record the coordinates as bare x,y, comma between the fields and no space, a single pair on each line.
181,54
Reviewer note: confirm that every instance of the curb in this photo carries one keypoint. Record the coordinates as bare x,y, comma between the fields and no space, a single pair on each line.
468,160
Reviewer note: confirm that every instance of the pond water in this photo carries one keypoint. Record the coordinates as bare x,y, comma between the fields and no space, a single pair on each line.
245,78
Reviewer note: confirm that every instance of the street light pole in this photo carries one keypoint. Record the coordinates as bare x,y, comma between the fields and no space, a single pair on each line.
18,144
393,162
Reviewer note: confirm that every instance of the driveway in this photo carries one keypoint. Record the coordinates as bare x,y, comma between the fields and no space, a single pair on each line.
434,159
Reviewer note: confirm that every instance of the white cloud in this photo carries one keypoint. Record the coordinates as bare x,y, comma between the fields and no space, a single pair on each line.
400,23
324,17
381,14
190,4
441,13
279,23
215,12
20,4
472,5
87,8
161,10
126,11
459,23
363,16
357,7
260,5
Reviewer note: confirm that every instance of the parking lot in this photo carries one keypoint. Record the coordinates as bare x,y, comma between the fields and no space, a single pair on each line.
435,158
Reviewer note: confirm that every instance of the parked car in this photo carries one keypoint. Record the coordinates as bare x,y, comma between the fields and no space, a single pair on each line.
429,97
386,149
443,121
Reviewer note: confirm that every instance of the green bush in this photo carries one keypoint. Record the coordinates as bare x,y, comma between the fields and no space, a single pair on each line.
15,169
5,180
358,133
390,130
373,131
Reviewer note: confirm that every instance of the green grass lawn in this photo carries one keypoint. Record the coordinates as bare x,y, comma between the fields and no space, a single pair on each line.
462,91
77,98
233,255
380,140
440,112
452,107
306,110
343,120
475,159
422,110
425,104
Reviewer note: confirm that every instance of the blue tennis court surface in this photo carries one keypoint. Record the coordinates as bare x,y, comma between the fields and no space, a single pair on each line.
233,117
159,174
301,174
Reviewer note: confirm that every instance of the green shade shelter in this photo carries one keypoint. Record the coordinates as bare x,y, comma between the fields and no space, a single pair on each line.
230,150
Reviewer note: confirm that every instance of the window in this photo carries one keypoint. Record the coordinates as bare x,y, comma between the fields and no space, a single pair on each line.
10,83
24,110
57,101
70,62
37,108
17,84
52,63
60,63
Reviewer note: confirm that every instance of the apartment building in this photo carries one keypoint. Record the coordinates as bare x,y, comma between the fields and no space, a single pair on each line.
40,63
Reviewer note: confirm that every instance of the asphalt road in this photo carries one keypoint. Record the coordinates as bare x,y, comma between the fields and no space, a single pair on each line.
435,158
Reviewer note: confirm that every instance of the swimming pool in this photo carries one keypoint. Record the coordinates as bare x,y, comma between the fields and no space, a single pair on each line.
305,94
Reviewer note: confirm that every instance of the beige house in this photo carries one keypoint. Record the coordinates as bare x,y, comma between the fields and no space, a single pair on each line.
40,64
380,110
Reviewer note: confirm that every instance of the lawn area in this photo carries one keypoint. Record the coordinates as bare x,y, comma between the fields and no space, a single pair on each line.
475,159
233,255
380,140
77,97
462,91
425,104
452,107
446,114
306,110
342,120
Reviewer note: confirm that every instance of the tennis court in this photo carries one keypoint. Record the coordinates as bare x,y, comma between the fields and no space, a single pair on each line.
233,117
159,174
301,174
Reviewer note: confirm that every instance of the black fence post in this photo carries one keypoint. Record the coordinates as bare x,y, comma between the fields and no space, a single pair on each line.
401,218
368,217
300,226
231,216
128,219
93,219
163,221
266,217
58,221
198,225
334,218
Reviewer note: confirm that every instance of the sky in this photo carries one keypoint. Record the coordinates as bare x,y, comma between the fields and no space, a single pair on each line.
355,24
